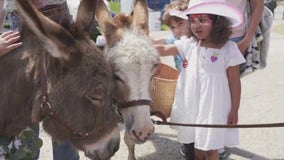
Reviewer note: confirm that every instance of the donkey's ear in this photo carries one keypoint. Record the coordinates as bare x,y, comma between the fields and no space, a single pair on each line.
140,16
85,15
54,38
109,28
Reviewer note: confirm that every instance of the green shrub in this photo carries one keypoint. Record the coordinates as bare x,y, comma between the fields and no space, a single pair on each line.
22,147
115,6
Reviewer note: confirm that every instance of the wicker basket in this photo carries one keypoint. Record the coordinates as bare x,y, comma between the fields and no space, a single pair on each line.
164,89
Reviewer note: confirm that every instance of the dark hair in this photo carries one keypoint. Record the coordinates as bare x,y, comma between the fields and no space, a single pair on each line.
221,30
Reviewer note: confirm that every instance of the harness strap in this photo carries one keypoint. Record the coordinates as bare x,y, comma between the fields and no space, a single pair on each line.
134,103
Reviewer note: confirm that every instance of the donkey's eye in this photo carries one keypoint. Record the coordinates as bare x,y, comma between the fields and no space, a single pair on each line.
117,78
95,99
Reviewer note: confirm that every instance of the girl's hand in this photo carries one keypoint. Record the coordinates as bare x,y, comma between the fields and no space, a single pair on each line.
8,42
185,63
166,50
233,118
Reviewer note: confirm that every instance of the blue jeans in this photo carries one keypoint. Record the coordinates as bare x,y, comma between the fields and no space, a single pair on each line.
237,39
60,152
14,20
64,152
35,128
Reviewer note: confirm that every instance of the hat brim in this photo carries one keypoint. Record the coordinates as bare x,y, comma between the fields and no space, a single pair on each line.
218,8
178,13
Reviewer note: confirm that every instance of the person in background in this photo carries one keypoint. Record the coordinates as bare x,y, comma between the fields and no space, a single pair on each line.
58,11
178,26
208,88
271,5
242,35
8,39
2,15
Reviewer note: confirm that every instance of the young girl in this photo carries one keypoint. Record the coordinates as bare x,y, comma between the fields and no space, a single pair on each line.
208,88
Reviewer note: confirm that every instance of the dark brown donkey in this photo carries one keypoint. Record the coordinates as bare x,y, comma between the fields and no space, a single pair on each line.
61,78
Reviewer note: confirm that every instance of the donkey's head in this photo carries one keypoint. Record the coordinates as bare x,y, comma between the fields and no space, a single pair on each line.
78,79
134,59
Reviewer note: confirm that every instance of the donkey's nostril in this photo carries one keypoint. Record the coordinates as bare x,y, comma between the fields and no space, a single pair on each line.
133,132
145,139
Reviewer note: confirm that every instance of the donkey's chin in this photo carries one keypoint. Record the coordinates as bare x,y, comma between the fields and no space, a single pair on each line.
105,148
97,155
104,154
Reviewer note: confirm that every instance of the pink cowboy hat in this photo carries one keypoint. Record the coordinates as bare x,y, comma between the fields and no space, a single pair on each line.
217,7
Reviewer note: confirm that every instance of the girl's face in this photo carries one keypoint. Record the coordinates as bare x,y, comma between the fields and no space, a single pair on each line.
201,25
179,28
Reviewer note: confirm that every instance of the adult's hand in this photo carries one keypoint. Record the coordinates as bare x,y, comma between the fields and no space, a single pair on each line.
8,42
243,45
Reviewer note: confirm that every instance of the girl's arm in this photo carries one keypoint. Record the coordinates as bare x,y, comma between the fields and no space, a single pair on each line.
167,50
235,90
158,41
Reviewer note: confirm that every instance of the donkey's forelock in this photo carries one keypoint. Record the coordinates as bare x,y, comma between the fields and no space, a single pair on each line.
134,47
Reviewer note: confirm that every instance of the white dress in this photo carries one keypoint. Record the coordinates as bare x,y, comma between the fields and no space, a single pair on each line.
203,95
